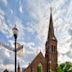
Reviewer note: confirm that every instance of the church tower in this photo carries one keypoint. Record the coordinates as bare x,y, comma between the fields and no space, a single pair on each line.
51,48
18,67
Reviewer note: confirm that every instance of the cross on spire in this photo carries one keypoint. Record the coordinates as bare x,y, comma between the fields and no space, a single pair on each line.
51,9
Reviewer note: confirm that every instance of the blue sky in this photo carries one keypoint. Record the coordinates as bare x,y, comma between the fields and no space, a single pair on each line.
32,19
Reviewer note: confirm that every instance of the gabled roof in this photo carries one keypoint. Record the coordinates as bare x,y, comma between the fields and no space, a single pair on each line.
39,55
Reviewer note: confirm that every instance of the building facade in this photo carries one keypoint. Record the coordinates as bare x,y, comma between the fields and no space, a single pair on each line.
49,62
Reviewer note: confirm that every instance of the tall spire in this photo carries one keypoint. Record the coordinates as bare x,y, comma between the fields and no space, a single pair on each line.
18,67
51,47
51,28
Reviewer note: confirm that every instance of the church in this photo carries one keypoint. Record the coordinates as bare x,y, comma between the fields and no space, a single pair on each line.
49,62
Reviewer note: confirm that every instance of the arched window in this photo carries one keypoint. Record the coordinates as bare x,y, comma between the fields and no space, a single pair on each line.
39,68
53,49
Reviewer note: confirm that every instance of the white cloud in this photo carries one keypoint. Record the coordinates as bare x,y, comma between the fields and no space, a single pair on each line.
9,67
3,26
31,48
21,9
64,57
2,12
2,67
5,2
11,11
40,11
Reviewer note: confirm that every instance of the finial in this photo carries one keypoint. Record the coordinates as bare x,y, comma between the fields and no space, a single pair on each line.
40,50
51,9
18,64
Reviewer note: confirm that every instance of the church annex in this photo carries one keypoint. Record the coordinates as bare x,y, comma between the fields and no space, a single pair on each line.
49,62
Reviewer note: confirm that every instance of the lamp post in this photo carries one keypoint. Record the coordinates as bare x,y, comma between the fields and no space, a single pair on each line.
15,33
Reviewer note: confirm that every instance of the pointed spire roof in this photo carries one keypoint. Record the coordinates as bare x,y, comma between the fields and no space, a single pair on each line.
51,28
18,67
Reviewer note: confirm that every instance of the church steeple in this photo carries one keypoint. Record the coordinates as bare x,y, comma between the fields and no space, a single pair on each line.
51,47
51,28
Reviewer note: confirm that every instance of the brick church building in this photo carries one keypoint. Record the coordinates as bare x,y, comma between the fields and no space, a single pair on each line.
49,62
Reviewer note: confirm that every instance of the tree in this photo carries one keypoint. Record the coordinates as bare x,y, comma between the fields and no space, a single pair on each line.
65,67
59,69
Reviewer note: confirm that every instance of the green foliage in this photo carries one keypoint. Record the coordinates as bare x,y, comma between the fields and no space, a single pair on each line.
65,67
59,69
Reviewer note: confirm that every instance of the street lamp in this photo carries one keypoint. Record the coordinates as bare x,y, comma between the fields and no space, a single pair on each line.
15,33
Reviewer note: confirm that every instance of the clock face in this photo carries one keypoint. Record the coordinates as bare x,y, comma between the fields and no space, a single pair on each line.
53,38
50,61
